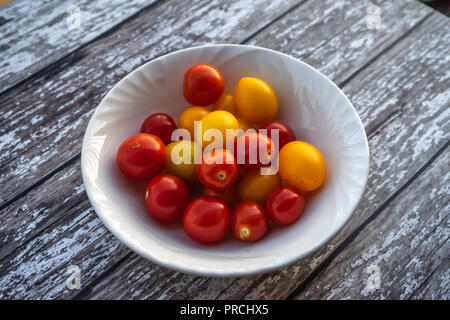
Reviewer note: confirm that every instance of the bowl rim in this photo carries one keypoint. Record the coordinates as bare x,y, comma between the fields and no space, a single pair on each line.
245,271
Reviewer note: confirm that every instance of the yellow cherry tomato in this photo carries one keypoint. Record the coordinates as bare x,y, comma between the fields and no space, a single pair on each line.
302,166
244,124
225,103
257,187
187,118
220,120
180,159
256,100
227,195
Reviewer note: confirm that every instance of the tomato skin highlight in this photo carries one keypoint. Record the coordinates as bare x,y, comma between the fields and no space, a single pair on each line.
206,219
160,125
166,197
203,85
285,132
249,221
218,170
285,205
254,147
141,156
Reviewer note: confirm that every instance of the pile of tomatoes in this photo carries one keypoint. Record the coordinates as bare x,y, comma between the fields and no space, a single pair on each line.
230,177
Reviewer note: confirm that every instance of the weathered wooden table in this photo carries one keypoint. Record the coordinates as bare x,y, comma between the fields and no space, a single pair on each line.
390,57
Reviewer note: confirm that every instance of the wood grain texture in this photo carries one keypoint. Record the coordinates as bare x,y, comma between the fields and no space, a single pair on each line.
48,131
404,245
399,149
305,13
131,276
25,221
37,33
43,120
37,272
40,208
436,286
346,44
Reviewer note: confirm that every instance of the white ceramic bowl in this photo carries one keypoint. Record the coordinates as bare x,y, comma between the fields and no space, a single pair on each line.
314,106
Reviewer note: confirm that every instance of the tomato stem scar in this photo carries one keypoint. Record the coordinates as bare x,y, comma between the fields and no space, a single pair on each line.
244,233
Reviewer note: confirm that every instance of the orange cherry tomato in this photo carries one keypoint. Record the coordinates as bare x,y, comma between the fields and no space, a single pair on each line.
256,187
256,100
203,85
244,124
225,103
187,118
220,121
302,166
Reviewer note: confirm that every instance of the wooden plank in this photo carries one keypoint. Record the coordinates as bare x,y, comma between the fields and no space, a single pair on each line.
42,207
141,276
38,33
394,163
305,13
36,270
54,149
414,129
340,56
37,215
44,128
395,253
437,285
62,103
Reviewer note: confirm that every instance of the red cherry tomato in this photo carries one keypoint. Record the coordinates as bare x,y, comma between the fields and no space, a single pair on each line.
203,85
160,125
166,197
249,221
218,170
285,205
285,133
206,219
141,156
254,150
